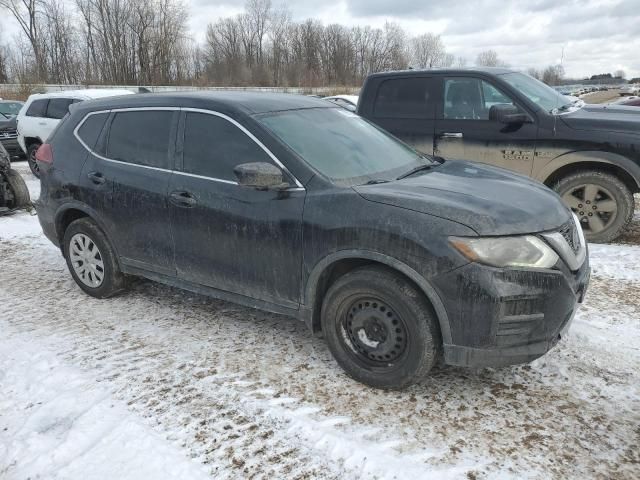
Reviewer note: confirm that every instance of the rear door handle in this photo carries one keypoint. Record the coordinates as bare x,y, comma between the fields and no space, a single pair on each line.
96,177
451,135
182,199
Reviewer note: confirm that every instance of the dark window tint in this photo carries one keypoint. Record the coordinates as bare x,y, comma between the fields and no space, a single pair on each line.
58,107
37,108
141,138
213,146
404,97
91,128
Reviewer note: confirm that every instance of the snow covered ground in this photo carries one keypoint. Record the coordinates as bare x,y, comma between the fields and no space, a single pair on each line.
161,383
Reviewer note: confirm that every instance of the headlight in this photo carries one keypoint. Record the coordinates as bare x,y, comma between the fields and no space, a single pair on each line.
524,251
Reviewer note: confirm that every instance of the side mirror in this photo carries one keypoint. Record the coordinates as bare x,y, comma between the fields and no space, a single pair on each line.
508,114
260,175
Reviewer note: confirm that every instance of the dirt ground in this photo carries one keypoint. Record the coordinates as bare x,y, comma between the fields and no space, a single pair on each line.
602,97
247,394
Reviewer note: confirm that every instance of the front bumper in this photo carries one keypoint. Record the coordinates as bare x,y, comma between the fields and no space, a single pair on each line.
503,317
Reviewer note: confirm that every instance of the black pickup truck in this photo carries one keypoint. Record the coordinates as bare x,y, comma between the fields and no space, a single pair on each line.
589,154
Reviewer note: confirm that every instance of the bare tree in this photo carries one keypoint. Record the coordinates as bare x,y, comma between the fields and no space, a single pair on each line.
535,73
427,51
553,74
461,62
489,58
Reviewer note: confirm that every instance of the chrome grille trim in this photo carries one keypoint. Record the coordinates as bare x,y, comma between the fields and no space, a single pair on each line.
574,257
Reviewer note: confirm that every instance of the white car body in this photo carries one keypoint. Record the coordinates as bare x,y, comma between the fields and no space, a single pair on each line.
36,127
350,102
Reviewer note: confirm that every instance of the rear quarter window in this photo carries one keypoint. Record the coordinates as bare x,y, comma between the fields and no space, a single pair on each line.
37,108
90,130
58,107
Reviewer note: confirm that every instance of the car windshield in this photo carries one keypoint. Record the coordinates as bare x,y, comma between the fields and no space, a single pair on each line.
343,146
539,93
10,109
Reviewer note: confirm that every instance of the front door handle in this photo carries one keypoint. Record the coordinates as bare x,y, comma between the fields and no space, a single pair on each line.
451,135
182,199
96,178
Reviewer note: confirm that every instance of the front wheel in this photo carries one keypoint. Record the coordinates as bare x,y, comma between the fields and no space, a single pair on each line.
601,201
380,328
31,159
17,193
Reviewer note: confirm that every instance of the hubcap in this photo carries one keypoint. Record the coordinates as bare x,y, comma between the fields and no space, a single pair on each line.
374,331
86,260
594,205
32,161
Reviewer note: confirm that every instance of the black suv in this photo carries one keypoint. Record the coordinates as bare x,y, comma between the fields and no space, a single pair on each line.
294,205
589,154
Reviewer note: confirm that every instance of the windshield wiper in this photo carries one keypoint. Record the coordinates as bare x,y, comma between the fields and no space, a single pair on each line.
417,169
376,181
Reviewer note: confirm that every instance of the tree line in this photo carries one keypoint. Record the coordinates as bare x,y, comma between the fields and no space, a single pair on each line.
147,42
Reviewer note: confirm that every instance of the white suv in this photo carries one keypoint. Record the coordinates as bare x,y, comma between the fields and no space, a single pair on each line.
41,114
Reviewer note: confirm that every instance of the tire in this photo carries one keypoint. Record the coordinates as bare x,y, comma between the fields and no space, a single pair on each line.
380,328
19,190
611,193
113,281
31,158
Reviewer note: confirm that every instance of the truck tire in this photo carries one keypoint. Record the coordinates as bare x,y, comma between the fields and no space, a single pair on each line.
19,190
31,158
91,260
602,202
380,328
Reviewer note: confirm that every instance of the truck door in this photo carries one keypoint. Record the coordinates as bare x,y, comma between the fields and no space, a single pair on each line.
465,131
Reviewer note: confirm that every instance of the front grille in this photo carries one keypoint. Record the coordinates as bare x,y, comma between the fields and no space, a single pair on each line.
570,234
9,133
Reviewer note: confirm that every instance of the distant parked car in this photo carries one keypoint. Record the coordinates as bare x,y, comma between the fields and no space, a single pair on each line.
631,102
10,108
629,90
9,136
41,113
350,102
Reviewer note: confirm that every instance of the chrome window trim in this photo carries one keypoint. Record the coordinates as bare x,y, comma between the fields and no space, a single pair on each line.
297,188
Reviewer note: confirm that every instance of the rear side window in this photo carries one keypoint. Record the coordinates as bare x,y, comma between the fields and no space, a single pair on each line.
58,107
141,138
405,98
91,129
213,146
37,108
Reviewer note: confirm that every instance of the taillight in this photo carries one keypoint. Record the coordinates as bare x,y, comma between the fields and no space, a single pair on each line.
44,154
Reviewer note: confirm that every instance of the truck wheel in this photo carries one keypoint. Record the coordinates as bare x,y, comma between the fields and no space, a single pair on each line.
601,201
91,260
380,328
18,189
31,158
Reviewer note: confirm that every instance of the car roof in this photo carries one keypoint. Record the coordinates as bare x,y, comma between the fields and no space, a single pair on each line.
444,71
87,93
247,102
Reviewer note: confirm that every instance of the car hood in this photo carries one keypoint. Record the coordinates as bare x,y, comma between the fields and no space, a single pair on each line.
7,123
613,118
490,200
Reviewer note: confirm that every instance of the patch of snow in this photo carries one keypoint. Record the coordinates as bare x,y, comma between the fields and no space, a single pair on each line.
621,262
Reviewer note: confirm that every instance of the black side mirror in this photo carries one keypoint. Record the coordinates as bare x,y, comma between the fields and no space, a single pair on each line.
260,175
508,114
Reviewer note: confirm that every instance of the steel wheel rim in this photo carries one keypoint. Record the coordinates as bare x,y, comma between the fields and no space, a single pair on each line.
86,260
374,332
594,205
32,160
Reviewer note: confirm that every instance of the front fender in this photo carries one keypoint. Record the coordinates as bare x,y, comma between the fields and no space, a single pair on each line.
591,157
309,299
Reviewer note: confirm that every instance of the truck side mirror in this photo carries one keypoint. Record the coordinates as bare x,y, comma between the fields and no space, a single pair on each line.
508,114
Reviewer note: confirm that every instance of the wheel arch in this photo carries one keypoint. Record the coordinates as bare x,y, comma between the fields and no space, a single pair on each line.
622,167
28,141
333,266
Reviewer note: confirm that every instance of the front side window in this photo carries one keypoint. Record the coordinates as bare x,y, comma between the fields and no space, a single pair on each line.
58,107
404,98
213,146
141,138
37,108
471,98
342,145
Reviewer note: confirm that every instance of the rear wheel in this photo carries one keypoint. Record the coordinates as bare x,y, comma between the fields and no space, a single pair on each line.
601,201
31,158
380,328
91,260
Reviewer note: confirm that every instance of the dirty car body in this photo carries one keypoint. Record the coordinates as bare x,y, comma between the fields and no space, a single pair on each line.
338,207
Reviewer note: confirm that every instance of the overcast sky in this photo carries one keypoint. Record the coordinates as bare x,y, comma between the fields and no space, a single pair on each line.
598,36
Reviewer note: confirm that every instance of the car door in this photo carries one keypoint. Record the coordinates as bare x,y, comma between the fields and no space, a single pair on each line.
231,237
464,130
125,180
405,106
